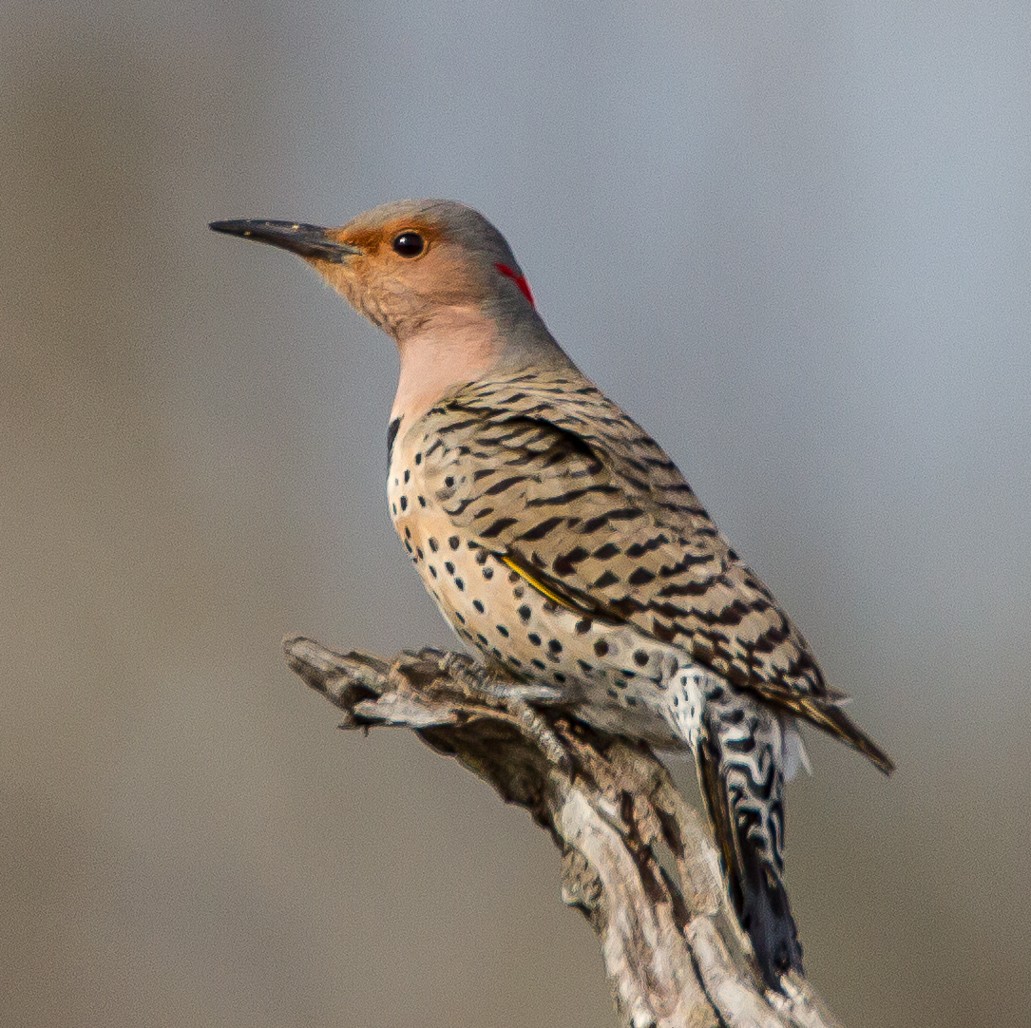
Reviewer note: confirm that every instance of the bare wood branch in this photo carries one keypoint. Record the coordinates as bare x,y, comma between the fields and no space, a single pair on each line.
637,859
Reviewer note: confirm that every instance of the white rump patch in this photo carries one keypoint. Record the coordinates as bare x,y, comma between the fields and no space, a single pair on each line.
795,756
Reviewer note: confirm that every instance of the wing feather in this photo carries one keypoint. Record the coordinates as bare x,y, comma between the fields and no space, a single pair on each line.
582,503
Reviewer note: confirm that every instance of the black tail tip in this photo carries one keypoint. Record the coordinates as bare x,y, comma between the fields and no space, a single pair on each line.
767,919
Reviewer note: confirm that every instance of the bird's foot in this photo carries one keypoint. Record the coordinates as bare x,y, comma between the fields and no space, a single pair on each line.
481,682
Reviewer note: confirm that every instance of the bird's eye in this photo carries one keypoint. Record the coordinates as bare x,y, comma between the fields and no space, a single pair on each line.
409,244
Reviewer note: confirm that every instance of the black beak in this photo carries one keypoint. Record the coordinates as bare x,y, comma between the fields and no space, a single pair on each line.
304,240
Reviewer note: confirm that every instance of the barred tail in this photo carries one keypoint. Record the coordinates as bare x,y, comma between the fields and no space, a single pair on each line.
740,769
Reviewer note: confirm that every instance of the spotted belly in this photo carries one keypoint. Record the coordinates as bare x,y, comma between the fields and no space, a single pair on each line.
616,678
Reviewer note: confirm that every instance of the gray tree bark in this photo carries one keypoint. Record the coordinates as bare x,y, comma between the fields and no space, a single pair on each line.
637,860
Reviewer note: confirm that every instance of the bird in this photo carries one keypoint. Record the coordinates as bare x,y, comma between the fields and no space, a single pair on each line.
562,542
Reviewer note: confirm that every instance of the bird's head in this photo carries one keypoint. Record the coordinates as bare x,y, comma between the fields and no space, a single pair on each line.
407,264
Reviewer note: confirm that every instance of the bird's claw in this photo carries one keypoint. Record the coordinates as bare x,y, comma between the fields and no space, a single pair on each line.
514,698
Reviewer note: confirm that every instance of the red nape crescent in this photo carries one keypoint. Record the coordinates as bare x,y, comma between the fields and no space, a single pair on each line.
520,280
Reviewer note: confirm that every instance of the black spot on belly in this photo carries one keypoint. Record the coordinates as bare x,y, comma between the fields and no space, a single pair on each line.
601,647
640,658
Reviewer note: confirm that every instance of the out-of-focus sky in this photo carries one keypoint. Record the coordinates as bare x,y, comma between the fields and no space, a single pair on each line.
792,239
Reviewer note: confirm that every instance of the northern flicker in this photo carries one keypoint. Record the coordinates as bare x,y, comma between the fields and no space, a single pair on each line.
560,541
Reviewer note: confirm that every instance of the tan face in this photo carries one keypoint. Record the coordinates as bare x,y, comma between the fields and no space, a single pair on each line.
408,263
405,271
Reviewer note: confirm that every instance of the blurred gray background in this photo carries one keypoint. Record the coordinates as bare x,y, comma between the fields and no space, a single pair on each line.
792,238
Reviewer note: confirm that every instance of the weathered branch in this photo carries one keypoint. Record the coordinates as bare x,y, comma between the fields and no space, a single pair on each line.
636,858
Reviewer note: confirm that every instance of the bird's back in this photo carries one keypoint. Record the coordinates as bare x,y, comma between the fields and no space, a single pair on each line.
540,470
